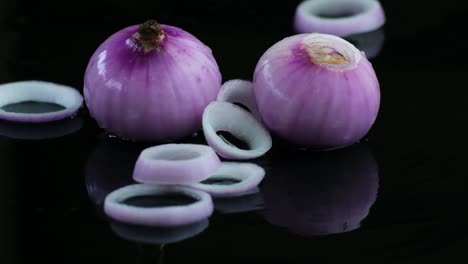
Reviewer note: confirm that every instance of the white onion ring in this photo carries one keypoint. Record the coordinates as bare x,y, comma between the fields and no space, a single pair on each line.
240,123
367,15
158,216
39,91
250,201
175,164
158,235
239,91
249,176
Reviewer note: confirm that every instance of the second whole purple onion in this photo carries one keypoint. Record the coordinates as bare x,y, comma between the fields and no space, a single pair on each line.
151,82
316,90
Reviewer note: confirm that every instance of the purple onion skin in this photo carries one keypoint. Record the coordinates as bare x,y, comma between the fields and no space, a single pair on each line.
312,105
155,96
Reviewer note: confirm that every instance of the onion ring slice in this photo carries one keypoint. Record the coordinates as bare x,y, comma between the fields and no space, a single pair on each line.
176,164
158,216
365,15
249,176
158,235
239,91
219,116
39,91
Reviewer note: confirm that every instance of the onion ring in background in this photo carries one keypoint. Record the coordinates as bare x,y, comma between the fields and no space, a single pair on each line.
176,164
338,17
177,215
223,116
246,176
39,91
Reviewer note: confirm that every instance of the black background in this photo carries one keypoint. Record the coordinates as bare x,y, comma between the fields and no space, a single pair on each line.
419,139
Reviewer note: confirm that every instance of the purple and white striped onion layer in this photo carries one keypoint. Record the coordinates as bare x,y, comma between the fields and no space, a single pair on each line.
151,83
239,92
223,116
248,175
316,90
338,17
39,91
158,216
176,164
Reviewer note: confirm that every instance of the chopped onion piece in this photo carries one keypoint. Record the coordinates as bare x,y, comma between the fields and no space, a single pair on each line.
246,176
339,17
222,116
239,92
158,216
39,91
158,235
175,164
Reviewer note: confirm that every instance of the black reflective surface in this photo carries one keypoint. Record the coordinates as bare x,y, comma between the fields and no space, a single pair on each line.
400,196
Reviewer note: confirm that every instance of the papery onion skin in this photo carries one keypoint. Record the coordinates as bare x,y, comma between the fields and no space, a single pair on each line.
313,104
156,95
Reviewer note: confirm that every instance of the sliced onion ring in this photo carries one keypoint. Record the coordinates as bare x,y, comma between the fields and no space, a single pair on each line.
367,15
249,176
39,91
175,164
241,92
223,116
158,235
158,216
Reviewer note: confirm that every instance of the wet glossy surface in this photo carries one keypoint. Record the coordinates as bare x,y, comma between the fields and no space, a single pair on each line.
401,194
32,107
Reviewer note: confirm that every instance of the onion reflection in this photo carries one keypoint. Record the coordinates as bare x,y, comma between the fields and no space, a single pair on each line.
40,131
110,166
322,193
158,235
248,202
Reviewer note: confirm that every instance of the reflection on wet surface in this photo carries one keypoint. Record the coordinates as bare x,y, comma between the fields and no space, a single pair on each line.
323,192
30,107
40,131
148,201
110,166
249,202
309,193
158,235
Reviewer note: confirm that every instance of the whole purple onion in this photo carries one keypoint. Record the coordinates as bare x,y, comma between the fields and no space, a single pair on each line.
316,90
151,82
